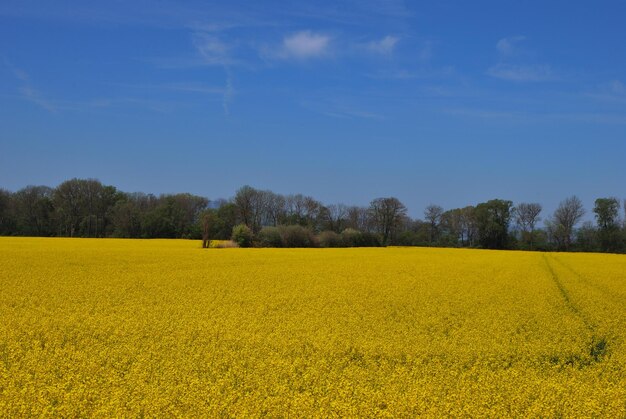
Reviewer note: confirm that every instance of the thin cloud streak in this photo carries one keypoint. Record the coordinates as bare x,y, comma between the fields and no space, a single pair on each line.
384,46
27,91
338,108
529,117
189,87
33,95
511,68
215,51
521,73
612,92
352,12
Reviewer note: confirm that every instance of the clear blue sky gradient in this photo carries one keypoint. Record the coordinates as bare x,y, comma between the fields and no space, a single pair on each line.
448,102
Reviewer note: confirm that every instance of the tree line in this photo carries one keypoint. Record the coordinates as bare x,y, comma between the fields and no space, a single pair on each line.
88,208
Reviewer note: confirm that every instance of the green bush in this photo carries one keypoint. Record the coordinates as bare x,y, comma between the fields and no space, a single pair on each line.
370,240
242,235
354,238
351,237
329,239
270,237
297,236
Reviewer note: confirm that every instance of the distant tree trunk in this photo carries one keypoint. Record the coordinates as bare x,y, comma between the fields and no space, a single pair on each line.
206,225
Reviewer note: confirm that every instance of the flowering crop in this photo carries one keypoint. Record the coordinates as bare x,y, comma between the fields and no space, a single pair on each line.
104,327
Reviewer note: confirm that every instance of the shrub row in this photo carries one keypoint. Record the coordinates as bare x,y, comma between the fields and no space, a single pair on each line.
298,236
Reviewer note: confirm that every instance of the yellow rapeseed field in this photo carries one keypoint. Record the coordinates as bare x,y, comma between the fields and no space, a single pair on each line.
126,328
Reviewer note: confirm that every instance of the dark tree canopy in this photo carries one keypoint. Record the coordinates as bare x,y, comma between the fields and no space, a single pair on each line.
387,216
607,218
493,218
7,226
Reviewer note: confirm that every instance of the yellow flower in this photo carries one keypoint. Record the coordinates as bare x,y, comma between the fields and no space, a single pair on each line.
118,328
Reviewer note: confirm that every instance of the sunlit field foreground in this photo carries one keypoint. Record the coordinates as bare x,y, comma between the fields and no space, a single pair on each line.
108,328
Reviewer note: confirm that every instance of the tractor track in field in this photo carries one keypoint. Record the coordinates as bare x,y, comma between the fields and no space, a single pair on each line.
613,295
597,350
566,295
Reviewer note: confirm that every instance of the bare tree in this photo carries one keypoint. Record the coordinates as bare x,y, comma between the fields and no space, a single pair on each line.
260,209
275,208
244,199
303,210
252,205
433,214
526,217
358,218
387,215
334,217
469,229
565,218
294,206
450,226
312,211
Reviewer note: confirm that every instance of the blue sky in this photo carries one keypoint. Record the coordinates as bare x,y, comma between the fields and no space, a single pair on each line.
432,102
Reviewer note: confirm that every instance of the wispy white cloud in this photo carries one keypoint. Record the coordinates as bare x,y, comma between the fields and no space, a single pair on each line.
301,46
426,53
399,74
185,87
352,113
423,72
384,46
27,91
306,44
56,106
521,73
506,46
602,118
33,95
194,88
341,108
214,27
215,51
513,65
611,92
212,50
19,74
614,89
596,118
617,87
487,114
219,15
151,105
